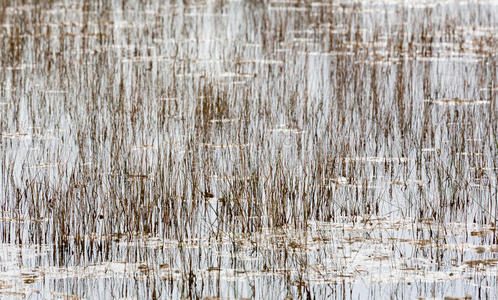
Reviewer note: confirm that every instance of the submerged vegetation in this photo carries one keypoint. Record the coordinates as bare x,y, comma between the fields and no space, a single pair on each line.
248,149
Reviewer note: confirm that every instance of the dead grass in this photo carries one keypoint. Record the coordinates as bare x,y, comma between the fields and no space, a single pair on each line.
187,121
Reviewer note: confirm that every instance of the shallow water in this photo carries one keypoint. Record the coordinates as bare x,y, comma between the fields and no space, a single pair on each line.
248,150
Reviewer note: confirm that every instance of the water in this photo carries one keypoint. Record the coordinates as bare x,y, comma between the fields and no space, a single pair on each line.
248,150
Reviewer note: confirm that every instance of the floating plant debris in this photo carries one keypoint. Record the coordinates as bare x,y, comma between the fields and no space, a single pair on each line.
458,101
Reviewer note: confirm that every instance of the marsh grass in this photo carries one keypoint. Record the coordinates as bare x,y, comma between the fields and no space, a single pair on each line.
248,149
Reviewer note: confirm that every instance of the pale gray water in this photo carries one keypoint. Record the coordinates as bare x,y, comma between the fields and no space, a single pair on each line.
349,148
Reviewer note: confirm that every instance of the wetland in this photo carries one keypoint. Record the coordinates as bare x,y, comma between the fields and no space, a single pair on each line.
248,149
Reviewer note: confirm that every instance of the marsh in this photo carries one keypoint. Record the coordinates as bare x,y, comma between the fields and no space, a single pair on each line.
248,149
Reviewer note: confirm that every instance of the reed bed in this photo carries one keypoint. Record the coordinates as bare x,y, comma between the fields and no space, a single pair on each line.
253,149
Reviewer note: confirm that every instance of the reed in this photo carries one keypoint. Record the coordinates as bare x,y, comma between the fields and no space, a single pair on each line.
252,149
